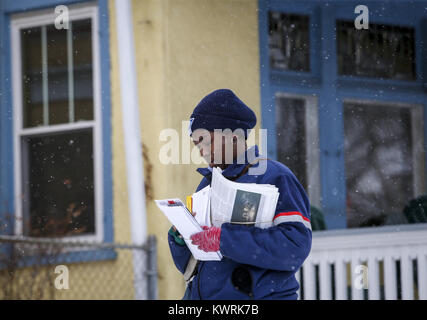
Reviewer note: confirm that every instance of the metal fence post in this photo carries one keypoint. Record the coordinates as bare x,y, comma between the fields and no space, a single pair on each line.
151,271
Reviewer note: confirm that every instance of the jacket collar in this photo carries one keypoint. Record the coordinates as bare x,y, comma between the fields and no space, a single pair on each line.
236,167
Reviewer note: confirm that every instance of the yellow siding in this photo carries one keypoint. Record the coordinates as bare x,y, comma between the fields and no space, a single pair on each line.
184,50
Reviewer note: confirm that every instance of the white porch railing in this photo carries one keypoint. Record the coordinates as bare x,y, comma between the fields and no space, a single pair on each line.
370,263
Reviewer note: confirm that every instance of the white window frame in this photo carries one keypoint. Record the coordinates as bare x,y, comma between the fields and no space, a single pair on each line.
417,136
312,143
47,17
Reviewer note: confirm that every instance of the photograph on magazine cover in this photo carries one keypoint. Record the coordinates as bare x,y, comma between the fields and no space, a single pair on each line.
245,207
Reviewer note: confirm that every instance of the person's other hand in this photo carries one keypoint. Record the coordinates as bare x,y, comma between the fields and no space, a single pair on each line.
207,240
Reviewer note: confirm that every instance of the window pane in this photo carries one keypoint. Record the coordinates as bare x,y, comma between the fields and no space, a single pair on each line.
381,163
382,51
57,74
31,57
291,136
57,66
82,61
59,180
289,42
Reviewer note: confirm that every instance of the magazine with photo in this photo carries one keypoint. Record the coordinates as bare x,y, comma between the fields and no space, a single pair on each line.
223,201
241,203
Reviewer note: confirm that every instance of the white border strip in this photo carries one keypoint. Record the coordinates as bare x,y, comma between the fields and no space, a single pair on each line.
70,72
291,218
45,80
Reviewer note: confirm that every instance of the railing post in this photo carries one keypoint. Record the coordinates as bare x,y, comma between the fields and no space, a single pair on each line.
309,280
373,275
340,277
325,278
298,277
407,277
422,273
356,293
390,276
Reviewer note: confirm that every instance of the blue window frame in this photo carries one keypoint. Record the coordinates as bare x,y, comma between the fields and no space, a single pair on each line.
7,204
332,89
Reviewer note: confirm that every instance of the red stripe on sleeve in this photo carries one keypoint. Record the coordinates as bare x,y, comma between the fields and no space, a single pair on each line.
291,213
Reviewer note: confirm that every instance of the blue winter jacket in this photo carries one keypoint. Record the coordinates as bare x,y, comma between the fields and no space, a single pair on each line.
257,263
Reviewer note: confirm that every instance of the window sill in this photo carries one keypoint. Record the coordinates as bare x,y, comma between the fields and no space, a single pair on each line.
52,252
390,85
303,79
371,230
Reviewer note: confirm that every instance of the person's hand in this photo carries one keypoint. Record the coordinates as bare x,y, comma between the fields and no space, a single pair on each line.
207,240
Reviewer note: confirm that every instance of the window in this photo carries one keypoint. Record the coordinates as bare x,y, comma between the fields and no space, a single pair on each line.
382,51
57,74
289,41
297,140
330,64
57,134
384,161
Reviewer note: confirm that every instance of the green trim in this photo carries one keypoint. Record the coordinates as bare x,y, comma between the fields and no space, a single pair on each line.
177,236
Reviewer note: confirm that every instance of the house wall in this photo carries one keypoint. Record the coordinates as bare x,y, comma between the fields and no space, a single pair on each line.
184,50
94,278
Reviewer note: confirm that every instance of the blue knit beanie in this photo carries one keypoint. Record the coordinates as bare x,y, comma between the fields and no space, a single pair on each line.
222,109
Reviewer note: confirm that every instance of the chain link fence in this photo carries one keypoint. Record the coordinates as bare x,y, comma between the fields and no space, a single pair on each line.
39,268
